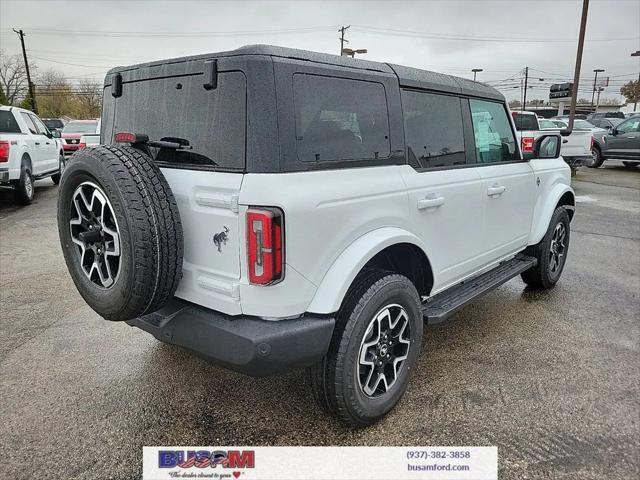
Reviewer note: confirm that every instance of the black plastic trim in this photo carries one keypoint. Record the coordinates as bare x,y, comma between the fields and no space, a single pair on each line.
245,344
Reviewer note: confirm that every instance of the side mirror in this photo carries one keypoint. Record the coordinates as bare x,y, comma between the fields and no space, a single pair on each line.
547,146
614,131
56,134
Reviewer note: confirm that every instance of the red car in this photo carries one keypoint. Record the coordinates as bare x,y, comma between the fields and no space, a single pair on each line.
72,132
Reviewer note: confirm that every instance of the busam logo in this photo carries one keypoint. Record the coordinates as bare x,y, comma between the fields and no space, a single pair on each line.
206,459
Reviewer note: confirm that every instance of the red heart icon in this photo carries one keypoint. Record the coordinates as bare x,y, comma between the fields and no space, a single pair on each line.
236,474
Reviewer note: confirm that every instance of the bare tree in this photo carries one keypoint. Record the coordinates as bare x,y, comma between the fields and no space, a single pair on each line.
13,77
88,98
54,94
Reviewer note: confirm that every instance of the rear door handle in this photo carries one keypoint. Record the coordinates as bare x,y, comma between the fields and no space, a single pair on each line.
430,202
496,190
37,143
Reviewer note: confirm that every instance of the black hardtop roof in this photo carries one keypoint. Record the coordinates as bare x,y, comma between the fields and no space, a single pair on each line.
407,76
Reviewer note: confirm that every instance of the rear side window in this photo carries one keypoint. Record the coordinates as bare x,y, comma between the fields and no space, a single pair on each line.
492,132
8,123
525,122
433,129
340,119
212,121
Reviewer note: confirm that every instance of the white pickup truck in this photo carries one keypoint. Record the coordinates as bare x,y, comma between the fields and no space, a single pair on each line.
576,147
28,151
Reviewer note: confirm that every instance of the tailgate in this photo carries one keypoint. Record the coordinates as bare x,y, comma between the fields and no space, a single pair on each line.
208,204
578,144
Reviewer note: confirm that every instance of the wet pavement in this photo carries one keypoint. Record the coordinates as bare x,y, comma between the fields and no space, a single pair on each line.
551,378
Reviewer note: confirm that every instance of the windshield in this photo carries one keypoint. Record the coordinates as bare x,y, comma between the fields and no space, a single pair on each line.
544,123
616,121
582,124
53,123
210,123
80,127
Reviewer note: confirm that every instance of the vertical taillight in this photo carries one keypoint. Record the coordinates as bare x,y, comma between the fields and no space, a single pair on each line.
527,144
265,239
4,151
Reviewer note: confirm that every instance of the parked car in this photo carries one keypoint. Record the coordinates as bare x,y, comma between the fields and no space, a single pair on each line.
607,124
28,151
283,209
89,140
54,124
622,142
576,147
631,114
72,132
565,118
605,115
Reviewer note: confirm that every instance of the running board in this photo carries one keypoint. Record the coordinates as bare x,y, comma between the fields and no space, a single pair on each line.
441,306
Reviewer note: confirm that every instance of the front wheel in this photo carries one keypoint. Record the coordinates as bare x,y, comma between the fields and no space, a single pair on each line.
374,348
61,164
551,253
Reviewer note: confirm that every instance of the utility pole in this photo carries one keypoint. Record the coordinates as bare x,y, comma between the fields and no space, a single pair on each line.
526,81
32,96
595,82
636,54
342,40
576,75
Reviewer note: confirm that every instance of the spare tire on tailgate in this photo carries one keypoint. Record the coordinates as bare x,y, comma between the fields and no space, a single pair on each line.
120,231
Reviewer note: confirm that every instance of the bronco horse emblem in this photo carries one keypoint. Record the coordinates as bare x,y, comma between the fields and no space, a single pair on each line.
221,238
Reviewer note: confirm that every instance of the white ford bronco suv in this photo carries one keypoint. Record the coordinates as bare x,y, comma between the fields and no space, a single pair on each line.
273,209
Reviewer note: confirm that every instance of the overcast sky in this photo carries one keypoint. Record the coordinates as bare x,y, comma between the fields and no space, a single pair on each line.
85,39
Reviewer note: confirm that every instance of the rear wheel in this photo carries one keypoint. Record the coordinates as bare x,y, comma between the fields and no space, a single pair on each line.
24,189
375,347
551,253
596,157
120,231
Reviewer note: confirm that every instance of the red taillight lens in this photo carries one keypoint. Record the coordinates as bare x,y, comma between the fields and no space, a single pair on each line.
128,137
265,235
527,144
4,150
82,145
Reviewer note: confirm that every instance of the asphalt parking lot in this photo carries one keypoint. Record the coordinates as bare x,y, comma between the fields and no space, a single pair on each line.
551,378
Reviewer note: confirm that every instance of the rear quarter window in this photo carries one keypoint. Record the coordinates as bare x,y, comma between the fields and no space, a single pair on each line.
340,119
525,122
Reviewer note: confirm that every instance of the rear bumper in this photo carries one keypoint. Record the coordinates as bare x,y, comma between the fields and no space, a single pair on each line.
4,174
245,344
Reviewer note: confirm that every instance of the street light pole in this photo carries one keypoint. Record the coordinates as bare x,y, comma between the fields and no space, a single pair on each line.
595,81
475,71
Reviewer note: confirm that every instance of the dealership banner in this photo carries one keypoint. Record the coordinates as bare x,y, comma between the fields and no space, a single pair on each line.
320,463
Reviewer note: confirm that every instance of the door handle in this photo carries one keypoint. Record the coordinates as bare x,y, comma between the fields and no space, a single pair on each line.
47,143
430,202
37,143
496,190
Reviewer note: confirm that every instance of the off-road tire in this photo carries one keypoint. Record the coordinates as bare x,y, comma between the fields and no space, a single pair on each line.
541,276
597,158
56,176
333,380
24,189
149,225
